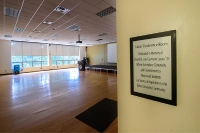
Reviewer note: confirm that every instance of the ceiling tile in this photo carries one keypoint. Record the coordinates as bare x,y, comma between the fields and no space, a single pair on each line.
84,5
75,2
110,2
94,10
102,5
93,2
83,14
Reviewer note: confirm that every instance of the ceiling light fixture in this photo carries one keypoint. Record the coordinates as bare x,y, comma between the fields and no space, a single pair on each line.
36,31
61,10
30,37
47,22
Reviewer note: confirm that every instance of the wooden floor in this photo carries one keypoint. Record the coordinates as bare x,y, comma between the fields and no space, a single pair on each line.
48,101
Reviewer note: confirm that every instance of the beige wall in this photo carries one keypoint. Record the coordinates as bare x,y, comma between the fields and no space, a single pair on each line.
97,54
141,17
5,57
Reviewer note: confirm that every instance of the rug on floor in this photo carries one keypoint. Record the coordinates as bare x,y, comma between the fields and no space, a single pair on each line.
100,115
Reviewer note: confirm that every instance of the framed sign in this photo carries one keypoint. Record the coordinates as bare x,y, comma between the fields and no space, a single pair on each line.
153,67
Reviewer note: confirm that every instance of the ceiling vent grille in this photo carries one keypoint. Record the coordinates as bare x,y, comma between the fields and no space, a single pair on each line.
99,40
18,29
11,12
56,35
104,34
74,27
61,10
9,36
106,11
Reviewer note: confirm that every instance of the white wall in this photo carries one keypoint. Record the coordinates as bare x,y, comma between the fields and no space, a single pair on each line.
141,17
5,57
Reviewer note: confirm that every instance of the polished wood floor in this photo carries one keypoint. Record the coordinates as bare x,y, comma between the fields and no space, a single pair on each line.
48,101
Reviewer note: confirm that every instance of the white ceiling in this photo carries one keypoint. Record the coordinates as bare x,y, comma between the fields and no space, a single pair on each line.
82,13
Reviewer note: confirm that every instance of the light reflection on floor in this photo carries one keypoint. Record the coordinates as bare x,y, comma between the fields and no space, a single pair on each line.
22,84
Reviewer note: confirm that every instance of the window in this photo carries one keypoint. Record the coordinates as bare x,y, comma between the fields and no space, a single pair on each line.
64,55
29,55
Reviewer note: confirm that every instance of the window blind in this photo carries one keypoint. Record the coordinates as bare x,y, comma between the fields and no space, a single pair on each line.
36,49
16,49
53,50
76,51
27,49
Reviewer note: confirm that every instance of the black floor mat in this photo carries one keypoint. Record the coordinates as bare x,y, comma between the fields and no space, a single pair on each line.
101,115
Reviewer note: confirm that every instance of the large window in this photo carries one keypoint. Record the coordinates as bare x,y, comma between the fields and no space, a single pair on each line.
64,55
29,54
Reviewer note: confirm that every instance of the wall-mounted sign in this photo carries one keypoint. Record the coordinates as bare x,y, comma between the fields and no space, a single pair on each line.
153,66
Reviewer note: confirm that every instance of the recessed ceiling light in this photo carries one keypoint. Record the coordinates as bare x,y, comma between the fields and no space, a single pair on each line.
47,22
61,10
36,31
30,37
106,11
11,12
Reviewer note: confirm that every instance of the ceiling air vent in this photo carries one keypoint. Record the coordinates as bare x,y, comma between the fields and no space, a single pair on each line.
11,12
56,35
103,34
106,11
18,29
74,27
99,40
9,36
61,10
